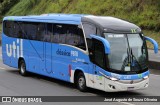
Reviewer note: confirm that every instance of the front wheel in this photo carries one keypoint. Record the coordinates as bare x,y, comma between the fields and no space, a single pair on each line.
81,82
22,68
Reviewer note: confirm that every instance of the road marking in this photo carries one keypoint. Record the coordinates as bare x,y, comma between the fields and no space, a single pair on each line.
126,103
2,68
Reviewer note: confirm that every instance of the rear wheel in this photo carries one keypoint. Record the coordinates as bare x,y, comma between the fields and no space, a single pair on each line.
81,82
22,68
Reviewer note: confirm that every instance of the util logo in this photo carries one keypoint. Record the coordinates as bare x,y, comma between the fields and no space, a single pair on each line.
15,49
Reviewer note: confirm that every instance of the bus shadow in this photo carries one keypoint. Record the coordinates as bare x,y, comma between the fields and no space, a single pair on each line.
89,90
114,94
41,77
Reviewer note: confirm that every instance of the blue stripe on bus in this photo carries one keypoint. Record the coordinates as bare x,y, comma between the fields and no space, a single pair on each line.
126,77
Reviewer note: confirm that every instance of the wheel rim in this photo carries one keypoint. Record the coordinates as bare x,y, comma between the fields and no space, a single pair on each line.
23,68
81,82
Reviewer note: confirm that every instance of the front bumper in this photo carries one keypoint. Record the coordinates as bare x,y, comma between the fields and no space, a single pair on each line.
115,86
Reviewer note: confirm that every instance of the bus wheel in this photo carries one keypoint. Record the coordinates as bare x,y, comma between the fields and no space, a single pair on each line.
22,68
81,82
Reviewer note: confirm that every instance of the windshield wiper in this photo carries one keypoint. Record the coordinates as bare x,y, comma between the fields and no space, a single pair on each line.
130,60
134,58
126,61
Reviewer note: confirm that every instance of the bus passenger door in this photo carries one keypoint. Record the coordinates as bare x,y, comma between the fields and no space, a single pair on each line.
98,57
47,51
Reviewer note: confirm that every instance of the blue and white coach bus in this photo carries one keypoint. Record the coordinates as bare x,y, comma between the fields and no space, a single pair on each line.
104,53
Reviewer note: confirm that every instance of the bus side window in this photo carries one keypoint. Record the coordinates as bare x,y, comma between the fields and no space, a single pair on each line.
68,34
47,32
19,32
75,37
59,33
6,27
13,32
62,34
9,28
55,35
89,29
82,40
40,32
71,38
30,30
22,33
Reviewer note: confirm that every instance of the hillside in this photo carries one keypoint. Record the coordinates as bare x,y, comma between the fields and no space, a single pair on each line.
144,13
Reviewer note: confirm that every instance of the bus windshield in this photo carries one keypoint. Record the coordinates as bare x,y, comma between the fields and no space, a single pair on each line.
128,52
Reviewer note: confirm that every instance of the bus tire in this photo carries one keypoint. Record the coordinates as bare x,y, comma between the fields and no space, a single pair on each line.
22,68
81,82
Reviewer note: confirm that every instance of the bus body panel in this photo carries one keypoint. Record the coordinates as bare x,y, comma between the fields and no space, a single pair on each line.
63,59
9,53
49,59
66,58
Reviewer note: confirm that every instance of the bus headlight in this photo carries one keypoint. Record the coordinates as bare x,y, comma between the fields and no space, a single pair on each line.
108,77
113,79
146,77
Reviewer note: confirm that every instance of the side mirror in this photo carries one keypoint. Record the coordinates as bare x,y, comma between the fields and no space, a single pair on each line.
104,41
155,44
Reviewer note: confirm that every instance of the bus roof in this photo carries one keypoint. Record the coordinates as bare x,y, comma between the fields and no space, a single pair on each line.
111,24
49,18
106,23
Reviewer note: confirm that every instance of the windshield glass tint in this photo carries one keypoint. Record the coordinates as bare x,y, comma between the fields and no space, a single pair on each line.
128,52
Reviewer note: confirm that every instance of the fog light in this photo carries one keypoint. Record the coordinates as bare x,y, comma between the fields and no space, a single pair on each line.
112,87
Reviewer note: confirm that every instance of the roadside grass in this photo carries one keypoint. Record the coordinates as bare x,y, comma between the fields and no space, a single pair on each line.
143,13
23,7
0,33
0,28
